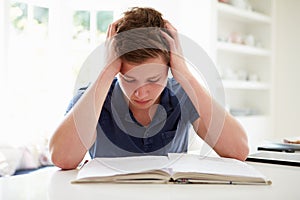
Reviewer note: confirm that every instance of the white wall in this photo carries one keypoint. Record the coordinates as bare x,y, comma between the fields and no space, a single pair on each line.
191,18
195,19
287,69
3,64
3,42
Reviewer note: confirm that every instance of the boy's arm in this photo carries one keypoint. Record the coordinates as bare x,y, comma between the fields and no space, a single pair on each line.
77,132
215,126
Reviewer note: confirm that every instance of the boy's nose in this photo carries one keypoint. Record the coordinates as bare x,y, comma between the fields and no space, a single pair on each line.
141,92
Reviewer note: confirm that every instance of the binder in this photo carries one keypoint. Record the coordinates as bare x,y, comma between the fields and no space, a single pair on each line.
276,157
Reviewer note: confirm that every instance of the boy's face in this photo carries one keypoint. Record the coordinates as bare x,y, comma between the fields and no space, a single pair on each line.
143,83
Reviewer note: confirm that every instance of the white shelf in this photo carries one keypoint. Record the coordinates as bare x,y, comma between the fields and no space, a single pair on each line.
252,117
248,85
242,49
238,14
249,101
256,123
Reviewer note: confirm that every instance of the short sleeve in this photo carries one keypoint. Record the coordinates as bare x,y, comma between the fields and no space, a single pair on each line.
75,99
189,112
193,114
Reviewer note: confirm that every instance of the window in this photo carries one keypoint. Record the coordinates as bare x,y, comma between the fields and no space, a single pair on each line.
104,18
44,58
90,27
81,23
18,16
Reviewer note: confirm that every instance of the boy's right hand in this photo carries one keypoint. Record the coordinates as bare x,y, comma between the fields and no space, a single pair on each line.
113,62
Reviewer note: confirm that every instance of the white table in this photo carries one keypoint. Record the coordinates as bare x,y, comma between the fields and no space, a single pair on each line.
54,184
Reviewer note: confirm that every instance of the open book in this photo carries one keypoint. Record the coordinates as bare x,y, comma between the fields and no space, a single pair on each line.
174,168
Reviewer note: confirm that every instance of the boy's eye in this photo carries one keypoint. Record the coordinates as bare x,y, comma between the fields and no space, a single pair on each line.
153,80
129,80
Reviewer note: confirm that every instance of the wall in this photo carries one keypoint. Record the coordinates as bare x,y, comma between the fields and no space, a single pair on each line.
3,42
195,22
3,65
287,69
191,18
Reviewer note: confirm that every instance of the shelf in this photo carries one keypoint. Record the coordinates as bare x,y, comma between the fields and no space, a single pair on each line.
242,49
256,123
242,15
248,101
248,85
252,118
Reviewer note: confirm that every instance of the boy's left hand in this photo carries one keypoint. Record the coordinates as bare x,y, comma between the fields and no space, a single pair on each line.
177,62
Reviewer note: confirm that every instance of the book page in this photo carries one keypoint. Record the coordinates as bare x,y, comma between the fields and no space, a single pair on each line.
212,165
181,167
105,167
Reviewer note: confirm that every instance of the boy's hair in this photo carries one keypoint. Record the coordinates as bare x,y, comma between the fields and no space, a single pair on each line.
139,38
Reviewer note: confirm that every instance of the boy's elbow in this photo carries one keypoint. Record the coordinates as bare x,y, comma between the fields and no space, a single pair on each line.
243,152
244,155
239,152
61,161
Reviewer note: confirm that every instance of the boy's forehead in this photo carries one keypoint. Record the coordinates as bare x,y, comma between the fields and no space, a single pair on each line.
150,67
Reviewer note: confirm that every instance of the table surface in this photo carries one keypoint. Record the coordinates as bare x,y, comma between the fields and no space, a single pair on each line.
54,184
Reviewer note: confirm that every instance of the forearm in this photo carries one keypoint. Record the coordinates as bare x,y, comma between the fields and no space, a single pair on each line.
232,141
77,132
223,132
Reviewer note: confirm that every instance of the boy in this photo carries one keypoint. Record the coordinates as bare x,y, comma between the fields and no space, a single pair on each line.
142,111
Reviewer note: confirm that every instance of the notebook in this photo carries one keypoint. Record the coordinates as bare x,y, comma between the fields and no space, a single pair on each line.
280,147
273,157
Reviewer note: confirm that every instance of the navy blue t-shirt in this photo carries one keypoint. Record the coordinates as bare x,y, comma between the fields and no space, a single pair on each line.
119,133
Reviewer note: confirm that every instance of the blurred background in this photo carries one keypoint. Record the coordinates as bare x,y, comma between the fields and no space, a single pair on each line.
254,43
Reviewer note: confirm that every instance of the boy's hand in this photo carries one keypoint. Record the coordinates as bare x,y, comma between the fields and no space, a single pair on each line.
112,60
177,61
